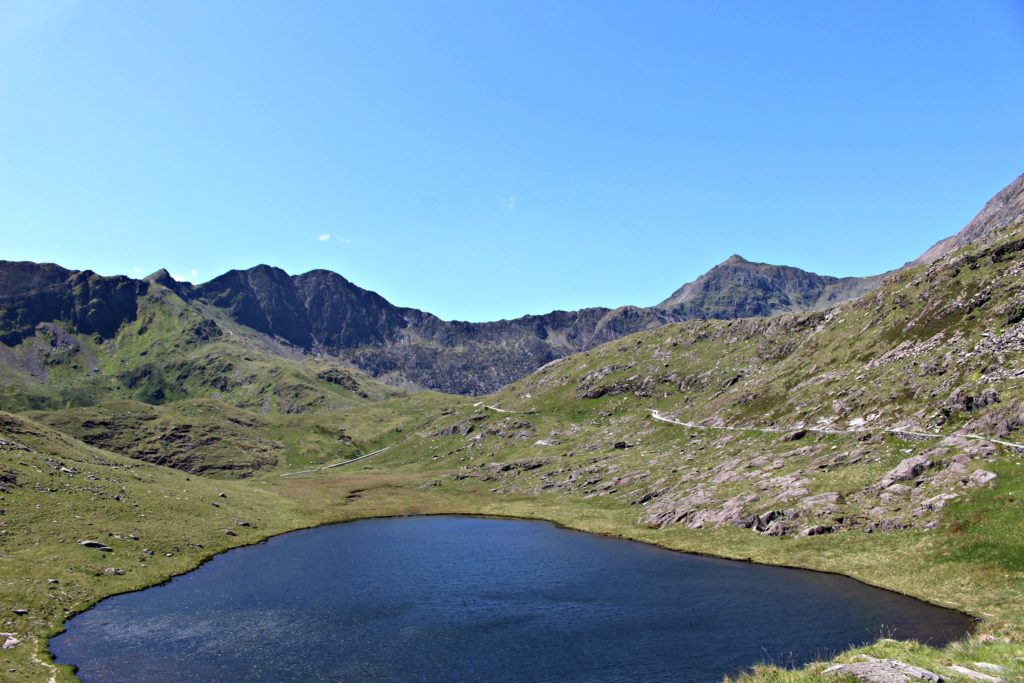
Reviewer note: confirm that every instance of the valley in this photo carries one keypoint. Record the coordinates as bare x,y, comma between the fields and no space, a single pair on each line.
865,427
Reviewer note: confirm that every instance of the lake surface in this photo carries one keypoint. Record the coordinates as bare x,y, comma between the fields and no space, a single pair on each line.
471,599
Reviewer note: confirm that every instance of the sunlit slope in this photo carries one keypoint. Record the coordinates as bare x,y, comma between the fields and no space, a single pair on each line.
173,350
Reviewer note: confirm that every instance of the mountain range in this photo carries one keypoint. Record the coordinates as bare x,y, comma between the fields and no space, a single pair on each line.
321,313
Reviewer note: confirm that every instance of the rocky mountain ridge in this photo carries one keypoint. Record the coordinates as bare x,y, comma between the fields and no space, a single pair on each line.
322,313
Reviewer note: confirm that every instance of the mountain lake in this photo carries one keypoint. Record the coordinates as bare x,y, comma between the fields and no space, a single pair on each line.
452,598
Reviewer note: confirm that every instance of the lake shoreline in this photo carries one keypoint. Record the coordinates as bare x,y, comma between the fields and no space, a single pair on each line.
534,516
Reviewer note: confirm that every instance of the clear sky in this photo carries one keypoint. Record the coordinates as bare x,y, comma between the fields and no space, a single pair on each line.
486,159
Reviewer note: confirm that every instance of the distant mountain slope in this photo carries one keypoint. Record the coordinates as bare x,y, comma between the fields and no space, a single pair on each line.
738,288
1005,208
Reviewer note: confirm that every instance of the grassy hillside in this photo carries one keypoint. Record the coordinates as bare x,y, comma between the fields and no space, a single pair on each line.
171,351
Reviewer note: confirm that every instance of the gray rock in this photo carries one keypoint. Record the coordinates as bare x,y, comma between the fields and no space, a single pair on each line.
990,667
776,528
822,503
987,398
974,675
96,544
884,671
816,530
908,468
980,478
11,642
960,401
762,521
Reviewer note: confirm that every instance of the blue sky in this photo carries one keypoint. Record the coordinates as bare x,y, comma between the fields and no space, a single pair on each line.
483,160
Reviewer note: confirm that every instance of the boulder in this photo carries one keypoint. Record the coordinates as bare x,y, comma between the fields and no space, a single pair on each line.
909,468
96,544
980,478
762,521
974,675
960,401
821,503
884,671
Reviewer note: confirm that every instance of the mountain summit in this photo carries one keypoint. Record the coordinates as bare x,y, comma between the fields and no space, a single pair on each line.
738,288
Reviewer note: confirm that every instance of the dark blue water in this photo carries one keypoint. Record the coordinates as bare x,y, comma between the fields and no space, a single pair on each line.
469,599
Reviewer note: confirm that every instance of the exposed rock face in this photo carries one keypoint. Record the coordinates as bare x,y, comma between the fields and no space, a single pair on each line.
263,298
32,293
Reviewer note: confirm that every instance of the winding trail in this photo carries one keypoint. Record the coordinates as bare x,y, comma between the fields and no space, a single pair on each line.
337,464
494,408
904,433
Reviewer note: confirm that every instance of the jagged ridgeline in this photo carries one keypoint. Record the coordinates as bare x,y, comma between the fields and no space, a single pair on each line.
321,314
291,343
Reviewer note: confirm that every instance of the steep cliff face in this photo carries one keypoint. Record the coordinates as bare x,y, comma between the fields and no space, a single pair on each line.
263,298
32,293
344,316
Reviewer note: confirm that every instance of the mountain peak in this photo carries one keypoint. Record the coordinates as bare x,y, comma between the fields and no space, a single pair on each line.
162,276
738,288
735,260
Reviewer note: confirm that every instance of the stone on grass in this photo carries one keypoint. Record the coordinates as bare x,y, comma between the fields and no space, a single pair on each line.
974,675
96,544
908,468
981,478
884,671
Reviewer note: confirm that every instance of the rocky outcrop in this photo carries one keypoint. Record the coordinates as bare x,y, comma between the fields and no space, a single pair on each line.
263,298
884,671
34,293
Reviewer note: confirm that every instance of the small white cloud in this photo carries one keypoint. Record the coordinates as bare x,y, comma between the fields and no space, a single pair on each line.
191,277
509,203
137,270
324,237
